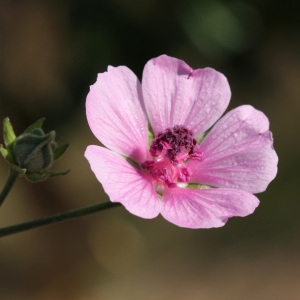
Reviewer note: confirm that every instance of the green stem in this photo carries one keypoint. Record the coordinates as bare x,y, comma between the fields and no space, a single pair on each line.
13,175
56,218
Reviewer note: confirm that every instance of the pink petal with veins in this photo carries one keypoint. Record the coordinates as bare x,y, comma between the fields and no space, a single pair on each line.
175,94
115,115
238,152
206,208
123,182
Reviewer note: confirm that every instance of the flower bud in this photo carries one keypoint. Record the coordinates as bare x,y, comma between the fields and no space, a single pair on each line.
32,153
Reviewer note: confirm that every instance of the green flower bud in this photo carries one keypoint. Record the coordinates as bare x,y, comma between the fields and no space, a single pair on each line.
32,153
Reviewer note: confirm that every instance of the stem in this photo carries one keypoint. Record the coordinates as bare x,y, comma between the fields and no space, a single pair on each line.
13,175
56,218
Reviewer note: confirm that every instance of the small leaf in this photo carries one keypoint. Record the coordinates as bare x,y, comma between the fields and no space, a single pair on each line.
36,124
8,133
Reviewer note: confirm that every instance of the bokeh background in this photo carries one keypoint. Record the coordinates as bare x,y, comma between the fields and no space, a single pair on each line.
50,52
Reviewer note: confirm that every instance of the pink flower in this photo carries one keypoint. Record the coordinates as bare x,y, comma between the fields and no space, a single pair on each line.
192,178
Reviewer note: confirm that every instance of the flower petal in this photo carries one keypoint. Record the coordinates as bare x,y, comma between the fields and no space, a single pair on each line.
123,183
206,208
115,114
238,152
175,94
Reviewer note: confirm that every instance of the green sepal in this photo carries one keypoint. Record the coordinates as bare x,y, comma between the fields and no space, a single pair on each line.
159,195
132,162
19,170
201,137
41,176
36,177
6,155
197,186
8,133
150,135
59,151
56,173
3,151
35,125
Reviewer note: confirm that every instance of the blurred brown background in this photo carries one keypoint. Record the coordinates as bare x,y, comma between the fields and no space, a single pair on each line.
50,52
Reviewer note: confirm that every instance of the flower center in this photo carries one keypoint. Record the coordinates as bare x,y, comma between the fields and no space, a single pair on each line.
170,150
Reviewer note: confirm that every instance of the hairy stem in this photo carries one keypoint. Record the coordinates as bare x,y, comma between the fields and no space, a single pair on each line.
56,218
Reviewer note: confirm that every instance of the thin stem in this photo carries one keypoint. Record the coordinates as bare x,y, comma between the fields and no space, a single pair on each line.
56,218
13,175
